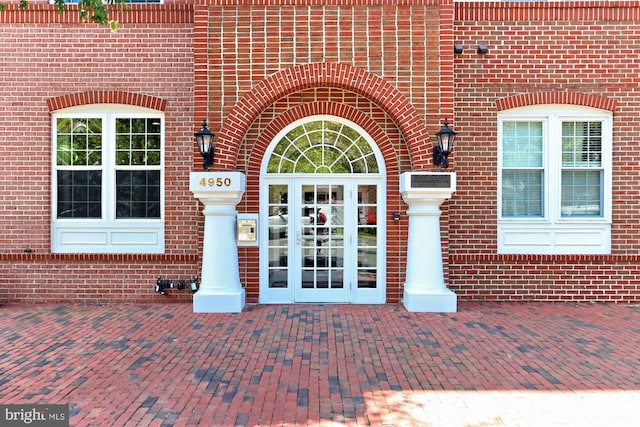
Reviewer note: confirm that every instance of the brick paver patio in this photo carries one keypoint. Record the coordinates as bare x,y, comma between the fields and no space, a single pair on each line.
489,364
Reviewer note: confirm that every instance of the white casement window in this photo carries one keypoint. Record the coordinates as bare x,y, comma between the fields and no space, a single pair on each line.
554,180
108,180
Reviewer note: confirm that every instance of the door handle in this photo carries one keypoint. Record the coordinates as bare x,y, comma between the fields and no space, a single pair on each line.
298,238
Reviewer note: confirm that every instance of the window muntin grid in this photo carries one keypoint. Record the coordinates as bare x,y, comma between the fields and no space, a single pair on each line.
367,236
582,169
80,154
79,161
137,194
79,141
138,141
523,173
581,144
323,146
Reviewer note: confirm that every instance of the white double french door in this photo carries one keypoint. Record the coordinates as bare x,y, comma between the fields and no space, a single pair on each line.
322,242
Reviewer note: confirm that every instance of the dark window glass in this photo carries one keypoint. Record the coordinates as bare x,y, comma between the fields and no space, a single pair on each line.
79,194
138,194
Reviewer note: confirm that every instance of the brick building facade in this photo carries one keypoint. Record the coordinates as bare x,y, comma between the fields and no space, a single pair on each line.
581,54
383,71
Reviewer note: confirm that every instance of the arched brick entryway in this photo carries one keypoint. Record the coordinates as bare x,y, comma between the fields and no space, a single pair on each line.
341,76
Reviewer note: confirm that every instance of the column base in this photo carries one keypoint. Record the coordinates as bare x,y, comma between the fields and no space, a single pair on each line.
218,301
430,302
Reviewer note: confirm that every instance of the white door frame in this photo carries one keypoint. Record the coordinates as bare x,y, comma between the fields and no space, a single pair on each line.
377,177
355,295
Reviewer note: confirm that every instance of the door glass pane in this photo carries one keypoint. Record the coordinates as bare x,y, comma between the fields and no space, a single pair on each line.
278,257
308,258
322,236
278,278
308,278
336,206
337,279
367,236
337,257
367,278
367,257
322,278
278,236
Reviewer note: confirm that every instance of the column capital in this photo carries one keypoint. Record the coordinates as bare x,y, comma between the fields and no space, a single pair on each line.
217,190
427,187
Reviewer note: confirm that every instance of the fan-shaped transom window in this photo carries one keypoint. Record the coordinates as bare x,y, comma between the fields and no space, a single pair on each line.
323,146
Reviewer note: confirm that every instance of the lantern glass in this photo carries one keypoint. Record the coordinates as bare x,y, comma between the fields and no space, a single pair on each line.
204,138
204,144
446,138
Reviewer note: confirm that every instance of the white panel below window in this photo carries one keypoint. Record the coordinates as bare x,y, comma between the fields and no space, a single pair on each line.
134,238
516,238
593,238
89,238
552,239
82,238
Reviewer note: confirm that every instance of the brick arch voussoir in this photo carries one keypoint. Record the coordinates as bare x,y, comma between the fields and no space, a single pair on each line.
570,98
341,76
369,125
106,97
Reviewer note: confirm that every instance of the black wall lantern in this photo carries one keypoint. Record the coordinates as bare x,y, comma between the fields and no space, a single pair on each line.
204,138
446,138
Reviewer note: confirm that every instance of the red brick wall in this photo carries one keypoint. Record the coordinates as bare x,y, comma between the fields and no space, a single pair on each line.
49,66
253,40
232,63
575,51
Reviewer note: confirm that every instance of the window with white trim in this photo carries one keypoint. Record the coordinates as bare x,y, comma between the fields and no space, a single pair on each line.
108,180
554,180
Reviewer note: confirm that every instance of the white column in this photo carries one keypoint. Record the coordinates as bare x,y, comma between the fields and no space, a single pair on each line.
424,288
220,289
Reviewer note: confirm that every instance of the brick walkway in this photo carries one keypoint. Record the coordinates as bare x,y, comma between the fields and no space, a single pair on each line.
493,364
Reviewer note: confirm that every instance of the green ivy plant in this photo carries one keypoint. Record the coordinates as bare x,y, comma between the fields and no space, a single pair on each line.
90,10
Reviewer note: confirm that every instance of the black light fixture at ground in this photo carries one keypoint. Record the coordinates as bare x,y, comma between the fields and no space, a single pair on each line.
482,49
204,139
446,139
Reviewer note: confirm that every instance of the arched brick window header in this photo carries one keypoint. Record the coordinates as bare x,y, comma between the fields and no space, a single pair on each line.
340,76
324,108
106,97
571,98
